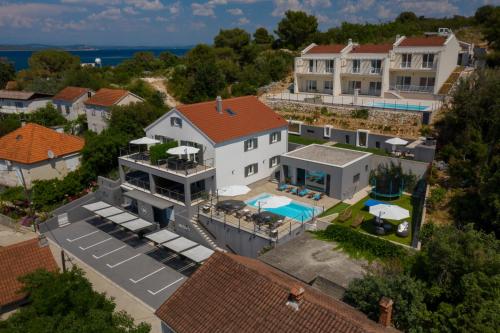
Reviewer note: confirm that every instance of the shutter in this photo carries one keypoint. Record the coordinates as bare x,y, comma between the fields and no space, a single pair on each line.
255,143
279,136
270,138
246,171
271,162
256,168
245,146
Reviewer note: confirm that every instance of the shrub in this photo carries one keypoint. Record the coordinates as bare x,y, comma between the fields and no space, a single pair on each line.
159,152
360,113
437,196
360,245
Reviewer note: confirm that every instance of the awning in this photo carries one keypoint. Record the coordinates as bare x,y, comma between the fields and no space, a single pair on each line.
144,141
198,254
183,150
107,212
96,206
122,218
161,236
149,199
180,244
136,225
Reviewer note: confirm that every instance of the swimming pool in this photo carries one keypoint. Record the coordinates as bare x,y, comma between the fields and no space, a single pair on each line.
295,210
406,107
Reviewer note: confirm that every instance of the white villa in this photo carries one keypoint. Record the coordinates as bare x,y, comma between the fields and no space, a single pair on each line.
22,101
411,67
70,101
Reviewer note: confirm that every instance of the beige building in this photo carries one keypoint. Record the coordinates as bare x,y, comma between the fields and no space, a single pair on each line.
22,101
70,101
98,106
34,152
411,67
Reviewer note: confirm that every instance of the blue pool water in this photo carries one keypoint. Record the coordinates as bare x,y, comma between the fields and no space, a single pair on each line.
294,210
407,107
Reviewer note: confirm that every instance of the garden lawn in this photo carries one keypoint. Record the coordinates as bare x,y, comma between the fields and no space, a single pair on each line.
303,141
338,208
368,226
375,151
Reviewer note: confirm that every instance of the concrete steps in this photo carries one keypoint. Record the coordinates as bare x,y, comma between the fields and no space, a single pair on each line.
204,234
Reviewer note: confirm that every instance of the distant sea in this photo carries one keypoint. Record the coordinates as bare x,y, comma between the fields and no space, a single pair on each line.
109,57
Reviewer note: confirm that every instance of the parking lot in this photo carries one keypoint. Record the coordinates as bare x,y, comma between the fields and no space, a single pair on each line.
147,272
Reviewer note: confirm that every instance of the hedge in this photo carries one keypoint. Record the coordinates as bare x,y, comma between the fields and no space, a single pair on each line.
358,244
159,151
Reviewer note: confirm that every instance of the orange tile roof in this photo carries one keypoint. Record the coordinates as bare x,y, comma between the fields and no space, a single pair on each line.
230,293
333,48
423,41
372,48
251,116
69,94
107,97
31,143
18,260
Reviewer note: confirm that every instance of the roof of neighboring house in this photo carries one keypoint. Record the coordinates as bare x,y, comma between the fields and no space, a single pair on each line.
70,94
31,144
108,97
333,48
249,116
11,85
230,293
423,41
372,48
21,95
18,260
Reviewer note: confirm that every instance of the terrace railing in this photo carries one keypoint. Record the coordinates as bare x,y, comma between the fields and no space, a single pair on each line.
413,88
139,182
169,193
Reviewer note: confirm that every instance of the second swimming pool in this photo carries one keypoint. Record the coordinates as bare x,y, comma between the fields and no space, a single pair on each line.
297,211
407,107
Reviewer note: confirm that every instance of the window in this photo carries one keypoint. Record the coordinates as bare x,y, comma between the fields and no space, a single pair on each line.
329,85
274,161
356,66
163,139
353,85
312,85
427,60
403,82
251,144
251,169
366,168
311,66
327,131
18,104
376,66
355,179
427,82
93,112
310,131
67,109
175,122
405,60
105,114
377,144
375,88
274,137
330,65
347,139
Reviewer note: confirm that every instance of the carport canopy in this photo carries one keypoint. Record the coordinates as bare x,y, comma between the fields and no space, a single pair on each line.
136,225
149,199
122,218
161,236
179,244
96,206
198,254
107,212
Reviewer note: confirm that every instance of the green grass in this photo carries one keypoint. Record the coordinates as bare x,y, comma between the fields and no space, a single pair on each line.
375,151
302,140
338,208
368,226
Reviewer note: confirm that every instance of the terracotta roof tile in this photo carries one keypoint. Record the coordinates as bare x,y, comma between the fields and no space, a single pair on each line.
423,41
18,260
69,94
250,116
31,143
333,48
107,97
230,293
372,48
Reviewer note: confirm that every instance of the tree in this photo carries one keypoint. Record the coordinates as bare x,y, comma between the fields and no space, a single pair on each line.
7,72
233,38
261,36
53,61
131,119
47,116
65,302
489,19
296,28
169,59
9,123
406,17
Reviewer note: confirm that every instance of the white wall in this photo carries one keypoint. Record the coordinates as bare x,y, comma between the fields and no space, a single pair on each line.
9,105
75,109
98,121
231,159
447,62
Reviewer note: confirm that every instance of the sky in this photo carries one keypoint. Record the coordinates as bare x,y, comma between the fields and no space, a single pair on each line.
177,23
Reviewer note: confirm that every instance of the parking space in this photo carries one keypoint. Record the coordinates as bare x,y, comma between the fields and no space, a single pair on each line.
148,272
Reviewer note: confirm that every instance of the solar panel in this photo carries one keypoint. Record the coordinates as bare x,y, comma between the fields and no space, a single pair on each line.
106,212
121,218
179,244
161,236
96,206
198,253
136,225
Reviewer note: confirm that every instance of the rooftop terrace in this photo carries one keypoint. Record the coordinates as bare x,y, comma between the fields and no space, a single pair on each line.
327,155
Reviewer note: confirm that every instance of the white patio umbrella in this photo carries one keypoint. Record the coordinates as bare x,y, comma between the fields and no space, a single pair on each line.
144,141
233,190
390,212
274,201
396,142
183,150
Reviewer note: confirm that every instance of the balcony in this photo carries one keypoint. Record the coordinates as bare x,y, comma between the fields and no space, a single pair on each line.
320,67
413,88
363,70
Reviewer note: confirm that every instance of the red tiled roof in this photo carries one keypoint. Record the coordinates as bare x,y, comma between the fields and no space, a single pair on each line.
230,293
250,116
70,94
423,41
372,48
18,260
334,48
107,97
31,143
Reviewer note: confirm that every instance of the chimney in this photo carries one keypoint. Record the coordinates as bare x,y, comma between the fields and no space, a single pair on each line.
385,305
295,297
398,37
349,41
218,102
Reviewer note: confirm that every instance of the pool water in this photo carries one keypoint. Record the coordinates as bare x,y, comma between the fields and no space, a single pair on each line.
297,211
407,107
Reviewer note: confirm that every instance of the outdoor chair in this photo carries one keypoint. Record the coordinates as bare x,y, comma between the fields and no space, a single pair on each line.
294,191
317,196
346,215
358,220
303,192
311,194
282,187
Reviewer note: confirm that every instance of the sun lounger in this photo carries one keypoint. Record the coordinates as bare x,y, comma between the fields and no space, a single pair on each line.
317,196
303,192
311,194
357,221
294,190
346,215
282,187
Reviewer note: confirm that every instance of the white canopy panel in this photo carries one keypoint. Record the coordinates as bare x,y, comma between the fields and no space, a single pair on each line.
106,212
396,141
389,212
136,225
144,141
183,150
233,190
121,218
162,236
198,253
179,244
96,206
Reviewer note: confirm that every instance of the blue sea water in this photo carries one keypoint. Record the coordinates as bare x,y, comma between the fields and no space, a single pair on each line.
109,57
